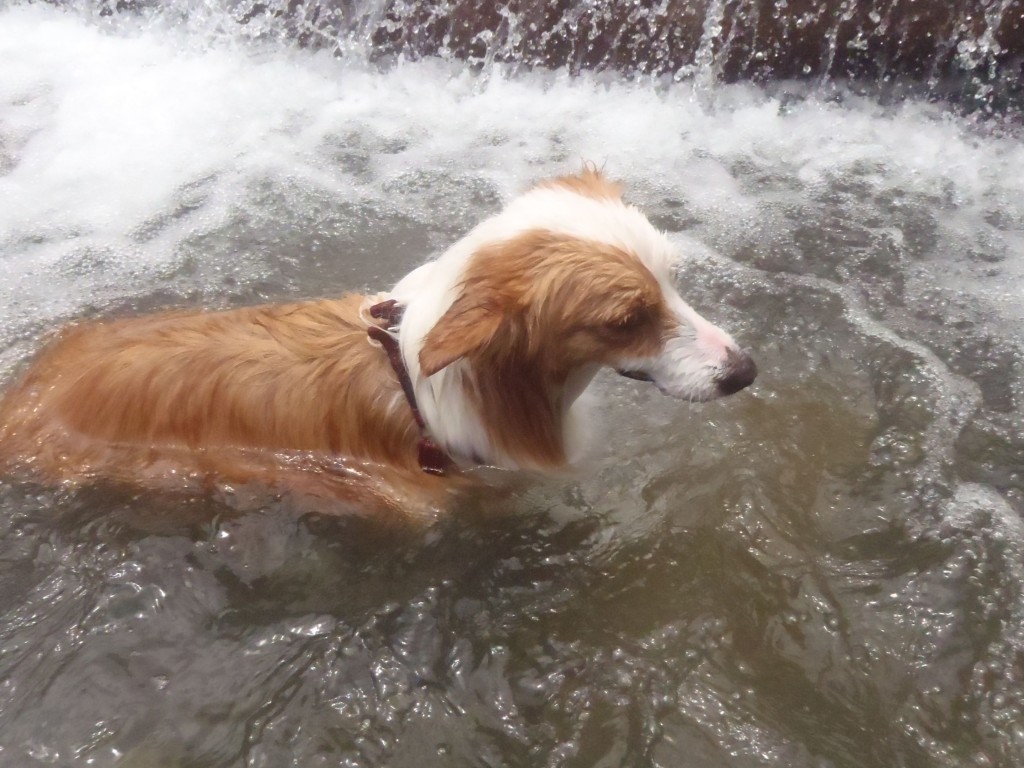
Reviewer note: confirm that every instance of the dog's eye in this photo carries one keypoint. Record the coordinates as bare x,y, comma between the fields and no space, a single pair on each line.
624,323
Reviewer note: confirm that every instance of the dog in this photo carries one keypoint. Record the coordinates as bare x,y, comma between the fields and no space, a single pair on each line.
476,358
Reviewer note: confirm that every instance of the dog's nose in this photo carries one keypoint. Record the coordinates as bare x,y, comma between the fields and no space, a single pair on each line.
740,372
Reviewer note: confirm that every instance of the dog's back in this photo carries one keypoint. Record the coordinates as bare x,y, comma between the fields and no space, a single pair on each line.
209,392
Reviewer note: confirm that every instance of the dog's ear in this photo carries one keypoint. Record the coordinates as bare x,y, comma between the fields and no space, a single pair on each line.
468,326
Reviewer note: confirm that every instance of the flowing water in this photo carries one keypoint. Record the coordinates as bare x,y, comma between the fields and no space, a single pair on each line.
824,571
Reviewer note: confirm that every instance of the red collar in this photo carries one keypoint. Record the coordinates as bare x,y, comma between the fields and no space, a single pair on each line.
433,459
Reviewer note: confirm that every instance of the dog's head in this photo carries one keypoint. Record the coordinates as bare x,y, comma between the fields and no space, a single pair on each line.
583,281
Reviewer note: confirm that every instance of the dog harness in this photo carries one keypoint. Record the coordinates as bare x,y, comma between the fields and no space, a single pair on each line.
433,459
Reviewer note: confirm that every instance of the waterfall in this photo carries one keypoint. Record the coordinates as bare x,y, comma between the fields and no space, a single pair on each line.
965,51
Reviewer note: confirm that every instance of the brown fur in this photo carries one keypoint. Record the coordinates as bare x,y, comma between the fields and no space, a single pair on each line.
262,393
589,182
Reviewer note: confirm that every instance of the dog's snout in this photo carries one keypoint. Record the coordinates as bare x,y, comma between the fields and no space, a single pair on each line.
739,373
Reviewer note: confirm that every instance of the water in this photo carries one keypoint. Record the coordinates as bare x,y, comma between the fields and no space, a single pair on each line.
824,571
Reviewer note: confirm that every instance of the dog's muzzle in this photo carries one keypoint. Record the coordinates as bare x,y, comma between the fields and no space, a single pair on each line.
739,372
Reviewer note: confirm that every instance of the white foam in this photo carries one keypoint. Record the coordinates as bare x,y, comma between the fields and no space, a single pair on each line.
104,127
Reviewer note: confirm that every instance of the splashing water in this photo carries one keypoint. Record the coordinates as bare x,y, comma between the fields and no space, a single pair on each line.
823,571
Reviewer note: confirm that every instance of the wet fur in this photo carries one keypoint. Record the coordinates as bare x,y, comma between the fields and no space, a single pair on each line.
291,394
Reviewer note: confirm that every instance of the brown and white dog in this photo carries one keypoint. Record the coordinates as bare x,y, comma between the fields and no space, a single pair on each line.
493,342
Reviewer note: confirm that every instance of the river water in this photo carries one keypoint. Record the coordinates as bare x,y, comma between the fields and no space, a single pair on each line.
824,571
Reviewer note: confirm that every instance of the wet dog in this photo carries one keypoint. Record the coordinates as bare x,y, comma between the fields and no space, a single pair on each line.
478,357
